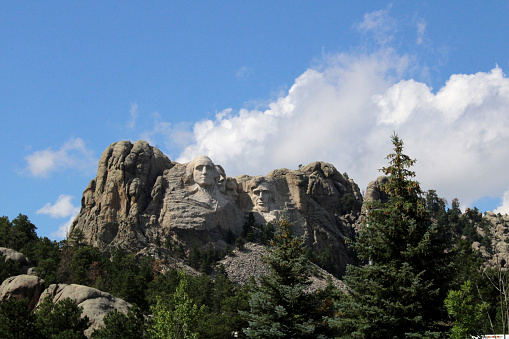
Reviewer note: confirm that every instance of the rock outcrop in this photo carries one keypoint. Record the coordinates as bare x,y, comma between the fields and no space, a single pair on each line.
18,257
96,304
374,190
22,287
113,204
140,200
498,234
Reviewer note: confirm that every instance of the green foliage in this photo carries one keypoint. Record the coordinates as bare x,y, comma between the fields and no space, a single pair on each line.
203,260
279,306
46,258
76,238
323,258
349,203
17,321
61,320
401,293
20,236
80,265
176,318
221,301
239,243
9,268
267,233
122,326
221,316
127,278
467,310
247,228
252,231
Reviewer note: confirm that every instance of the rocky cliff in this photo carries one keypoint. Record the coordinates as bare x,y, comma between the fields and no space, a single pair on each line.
140,200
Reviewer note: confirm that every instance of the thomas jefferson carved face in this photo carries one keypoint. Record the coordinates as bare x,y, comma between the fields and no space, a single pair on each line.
261,197
204,172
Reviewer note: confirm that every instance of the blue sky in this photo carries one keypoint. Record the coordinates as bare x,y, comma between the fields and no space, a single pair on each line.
256,86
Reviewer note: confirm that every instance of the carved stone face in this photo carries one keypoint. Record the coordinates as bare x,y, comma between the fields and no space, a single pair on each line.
204,173
261,198
221,181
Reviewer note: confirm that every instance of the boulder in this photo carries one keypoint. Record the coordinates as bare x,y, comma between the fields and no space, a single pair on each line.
96,304
13,255
22,287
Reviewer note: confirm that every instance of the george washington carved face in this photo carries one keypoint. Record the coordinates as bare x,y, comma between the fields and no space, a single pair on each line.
203,172
204,186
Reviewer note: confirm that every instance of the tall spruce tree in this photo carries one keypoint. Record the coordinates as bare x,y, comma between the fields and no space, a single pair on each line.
400,291
280,307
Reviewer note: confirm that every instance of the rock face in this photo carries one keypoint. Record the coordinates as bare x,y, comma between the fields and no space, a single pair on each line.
96,304
114,202
498,233
374,190
317,198
140,200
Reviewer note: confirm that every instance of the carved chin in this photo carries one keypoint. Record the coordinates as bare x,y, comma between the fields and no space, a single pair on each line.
205,183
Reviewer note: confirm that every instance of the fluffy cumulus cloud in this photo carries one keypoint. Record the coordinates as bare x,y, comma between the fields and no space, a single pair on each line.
62,208
72,155
345,111
504,206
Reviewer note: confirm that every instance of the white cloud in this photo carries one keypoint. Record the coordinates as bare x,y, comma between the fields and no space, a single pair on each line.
421,27
167,134
72,155
133,113
380,24
61,208
243,72
63,230
504,206
345,111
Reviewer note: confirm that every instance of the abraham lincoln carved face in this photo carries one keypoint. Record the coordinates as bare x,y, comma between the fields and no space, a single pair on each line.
261,197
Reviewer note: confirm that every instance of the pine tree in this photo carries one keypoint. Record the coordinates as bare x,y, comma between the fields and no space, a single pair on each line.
401,292
280,307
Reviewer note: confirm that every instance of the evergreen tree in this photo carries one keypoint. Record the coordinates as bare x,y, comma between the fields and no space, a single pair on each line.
17,321
280,307
401,292
176,318
61,320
